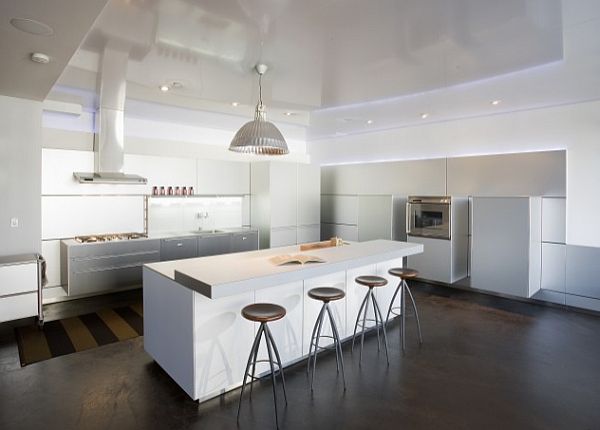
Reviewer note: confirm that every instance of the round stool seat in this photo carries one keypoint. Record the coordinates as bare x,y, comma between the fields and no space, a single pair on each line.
263,312
326,294
371,281
403,272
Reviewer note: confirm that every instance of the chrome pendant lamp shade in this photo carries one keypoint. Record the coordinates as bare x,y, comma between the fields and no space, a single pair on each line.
259,136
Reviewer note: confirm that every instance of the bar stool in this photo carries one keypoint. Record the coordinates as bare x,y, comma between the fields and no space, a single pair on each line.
326,295
403,274
263,313
370,282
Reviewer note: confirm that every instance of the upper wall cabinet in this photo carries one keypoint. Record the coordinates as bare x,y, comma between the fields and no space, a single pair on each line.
223,177
524,174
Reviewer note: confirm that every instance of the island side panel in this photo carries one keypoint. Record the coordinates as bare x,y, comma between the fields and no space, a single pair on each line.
287,331
222,342
168,327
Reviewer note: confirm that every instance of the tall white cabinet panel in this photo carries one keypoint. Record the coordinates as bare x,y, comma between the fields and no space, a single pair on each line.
309,194
284,198
313,307
284,194
339,209
506,247
220,357
223,177
283,236
288,331
374,217
355,293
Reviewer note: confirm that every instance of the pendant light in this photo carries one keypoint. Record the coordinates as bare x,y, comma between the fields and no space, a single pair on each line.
259,136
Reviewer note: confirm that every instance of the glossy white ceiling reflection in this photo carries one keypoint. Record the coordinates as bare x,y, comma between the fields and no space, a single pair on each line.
322,53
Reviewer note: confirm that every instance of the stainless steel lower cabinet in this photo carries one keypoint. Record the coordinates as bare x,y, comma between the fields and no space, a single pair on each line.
246,241
178,248
97,267
214,245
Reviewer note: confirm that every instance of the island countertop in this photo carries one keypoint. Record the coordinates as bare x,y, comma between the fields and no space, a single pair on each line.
226,275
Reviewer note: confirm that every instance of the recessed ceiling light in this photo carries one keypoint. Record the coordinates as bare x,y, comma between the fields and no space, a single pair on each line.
234,104
369,121
289,113
164,88
424,115
32,26
496,102
38,57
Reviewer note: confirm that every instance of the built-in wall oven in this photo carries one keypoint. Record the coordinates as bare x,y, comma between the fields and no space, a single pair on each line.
429,216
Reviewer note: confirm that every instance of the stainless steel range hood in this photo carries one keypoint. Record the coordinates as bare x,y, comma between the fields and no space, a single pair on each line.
109,137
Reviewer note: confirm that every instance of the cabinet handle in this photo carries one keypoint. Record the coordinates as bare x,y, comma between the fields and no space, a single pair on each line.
244,238
180,244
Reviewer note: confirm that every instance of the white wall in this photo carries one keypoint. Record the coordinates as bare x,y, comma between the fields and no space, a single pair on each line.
20,144
575,128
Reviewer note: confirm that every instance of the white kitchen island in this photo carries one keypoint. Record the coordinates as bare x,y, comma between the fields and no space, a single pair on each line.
192,322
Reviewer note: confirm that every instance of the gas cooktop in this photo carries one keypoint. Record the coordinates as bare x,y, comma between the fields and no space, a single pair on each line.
110,237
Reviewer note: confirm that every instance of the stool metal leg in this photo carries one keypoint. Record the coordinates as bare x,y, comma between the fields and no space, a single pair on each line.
389,312
312,337
253,352
385,342
376,322
273,381
358,319
274,346
338,343
364,325
403,327
312,379
412,299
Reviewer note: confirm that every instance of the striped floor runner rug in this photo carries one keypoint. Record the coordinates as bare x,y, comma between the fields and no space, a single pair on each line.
76,334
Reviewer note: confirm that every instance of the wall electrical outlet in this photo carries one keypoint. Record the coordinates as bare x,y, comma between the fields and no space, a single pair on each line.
14,222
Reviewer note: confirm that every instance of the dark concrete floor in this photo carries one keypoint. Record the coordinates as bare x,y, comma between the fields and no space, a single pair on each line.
487,363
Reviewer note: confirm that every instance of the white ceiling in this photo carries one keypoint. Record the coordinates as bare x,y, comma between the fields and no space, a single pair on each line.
70,20
340,63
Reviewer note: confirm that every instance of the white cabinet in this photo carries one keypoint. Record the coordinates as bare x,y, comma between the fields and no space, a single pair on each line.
506,245
309,194
374,217
285,196
356,218
346,232
339,209
308,233
554,261
18,289
283,236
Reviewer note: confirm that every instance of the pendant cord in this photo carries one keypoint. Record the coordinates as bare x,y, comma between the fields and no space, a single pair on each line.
260,89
